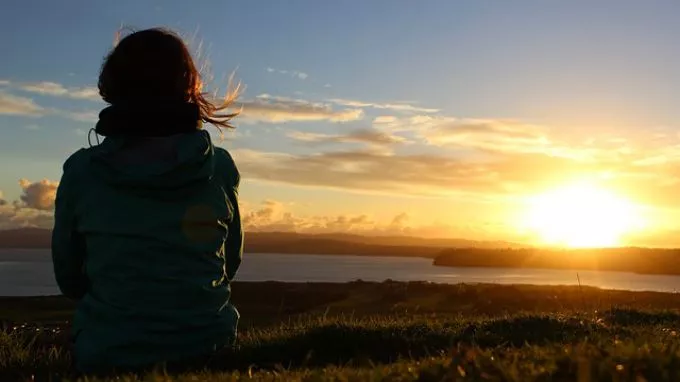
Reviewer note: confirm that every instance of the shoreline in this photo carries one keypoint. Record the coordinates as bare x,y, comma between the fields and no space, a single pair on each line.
411,282
631,260
428,256
558,268
267,303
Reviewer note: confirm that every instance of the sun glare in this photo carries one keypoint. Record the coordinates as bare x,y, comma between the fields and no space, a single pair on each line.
581,215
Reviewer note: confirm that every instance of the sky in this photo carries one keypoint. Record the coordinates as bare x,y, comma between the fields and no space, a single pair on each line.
435,118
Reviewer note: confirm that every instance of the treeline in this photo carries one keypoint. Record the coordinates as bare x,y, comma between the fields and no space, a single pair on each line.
629,259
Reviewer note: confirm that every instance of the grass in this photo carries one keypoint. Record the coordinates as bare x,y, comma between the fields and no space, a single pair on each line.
398,332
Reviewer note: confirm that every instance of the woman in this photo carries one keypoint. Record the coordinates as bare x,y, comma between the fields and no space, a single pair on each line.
147,234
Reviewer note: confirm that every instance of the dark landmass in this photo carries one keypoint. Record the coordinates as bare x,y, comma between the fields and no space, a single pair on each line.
444,252
629,259
25,238
394,332
294,243
265,303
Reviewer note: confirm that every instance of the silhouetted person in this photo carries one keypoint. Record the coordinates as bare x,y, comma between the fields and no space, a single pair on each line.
147,233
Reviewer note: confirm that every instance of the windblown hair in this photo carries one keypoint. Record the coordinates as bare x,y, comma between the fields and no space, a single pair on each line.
154,66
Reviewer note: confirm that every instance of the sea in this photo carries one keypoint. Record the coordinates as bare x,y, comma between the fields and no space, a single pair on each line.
28,272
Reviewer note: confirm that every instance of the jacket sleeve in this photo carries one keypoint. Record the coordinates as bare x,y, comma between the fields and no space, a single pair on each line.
68,246
234,244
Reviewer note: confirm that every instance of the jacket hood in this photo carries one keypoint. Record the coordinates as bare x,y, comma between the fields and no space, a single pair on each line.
153,163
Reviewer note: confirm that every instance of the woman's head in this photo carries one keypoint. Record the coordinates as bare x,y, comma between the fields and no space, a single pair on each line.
154,66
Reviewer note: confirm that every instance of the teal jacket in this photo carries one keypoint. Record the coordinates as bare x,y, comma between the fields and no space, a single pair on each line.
147,237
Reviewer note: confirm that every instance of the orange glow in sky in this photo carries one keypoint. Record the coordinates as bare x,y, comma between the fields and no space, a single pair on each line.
582,215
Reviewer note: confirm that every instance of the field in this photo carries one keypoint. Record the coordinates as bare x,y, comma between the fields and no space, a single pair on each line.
397,332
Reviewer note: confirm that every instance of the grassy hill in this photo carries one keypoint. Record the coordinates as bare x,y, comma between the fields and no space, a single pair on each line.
398,332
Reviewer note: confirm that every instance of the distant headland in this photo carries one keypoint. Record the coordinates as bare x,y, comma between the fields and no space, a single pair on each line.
443,252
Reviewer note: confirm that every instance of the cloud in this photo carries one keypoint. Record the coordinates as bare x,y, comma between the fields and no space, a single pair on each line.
14,216
22,106
274,216
38,195
270,109
89,93
488,135
78,116
4,82
15,105
400,220
367,136
268,216
399,106
503,177
480,159
46,88
366,171
59,90
293,73
34,209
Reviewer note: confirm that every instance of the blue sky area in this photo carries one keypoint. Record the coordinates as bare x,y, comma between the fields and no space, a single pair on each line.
432,118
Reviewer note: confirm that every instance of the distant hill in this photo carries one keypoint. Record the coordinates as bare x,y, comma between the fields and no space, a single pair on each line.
287,242
25,238
262,240
625,259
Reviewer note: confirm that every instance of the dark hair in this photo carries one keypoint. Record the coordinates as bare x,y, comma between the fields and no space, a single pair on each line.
155,66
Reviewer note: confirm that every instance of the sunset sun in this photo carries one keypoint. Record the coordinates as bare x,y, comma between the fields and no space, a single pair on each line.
581,215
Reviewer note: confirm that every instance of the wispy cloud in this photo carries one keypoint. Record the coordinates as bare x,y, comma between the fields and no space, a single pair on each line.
395,106
484,135
16,105
88,116
293,73
59,90
367,136
646,169
487,135
22,106
370,172
270,109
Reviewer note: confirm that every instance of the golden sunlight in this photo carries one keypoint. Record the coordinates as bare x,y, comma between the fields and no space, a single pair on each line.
581,215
